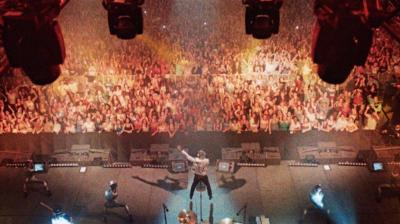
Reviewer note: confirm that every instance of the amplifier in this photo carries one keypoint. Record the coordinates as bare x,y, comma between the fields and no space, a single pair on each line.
387,153
139,156
327,154
83,156
142,156
231,153
103,155
272,155
250,155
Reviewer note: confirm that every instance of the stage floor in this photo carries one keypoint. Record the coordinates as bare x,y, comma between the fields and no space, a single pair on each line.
278,192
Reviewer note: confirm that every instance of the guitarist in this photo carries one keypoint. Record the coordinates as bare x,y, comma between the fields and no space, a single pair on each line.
111,194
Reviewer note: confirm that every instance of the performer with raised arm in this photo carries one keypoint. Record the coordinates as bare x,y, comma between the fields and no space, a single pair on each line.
200,166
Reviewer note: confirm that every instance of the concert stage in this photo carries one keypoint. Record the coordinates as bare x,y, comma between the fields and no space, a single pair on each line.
278,192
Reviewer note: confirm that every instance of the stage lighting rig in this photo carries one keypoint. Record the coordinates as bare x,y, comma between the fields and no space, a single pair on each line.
32,38
342,35
125,17
262,17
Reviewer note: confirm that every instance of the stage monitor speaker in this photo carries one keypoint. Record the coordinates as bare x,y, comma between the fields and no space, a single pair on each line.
224,166
179,166
39,167
377,166
272,155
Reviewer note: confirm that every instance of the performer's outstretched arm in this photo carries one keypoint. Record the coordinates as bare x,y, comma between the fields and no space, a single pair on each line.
189,157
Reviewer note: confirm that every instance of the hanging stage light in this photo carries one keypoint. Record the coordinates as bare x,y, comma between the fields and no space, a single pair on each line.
262,17
33,40
125,17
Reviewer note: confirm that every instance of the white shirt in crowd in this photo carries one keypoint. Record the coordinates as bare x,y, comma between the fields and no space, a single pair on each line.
89,126
56,127
200,166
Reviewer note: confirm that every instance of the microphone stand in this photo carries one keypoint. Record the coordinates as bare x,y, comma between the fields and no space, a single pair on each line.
244,209
165,213
46,206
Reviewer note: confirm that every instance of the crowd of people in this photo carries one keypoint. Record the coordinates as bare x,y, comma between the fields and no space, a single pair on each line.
194,69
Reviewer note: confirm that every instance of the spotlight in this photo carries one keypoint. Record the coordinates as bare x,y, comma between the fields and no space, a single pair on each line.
341,39
33,40
262,17
125,17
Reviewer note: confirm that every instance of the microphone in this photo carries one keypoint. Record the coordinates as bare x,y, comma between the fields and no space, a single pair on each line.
165,207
